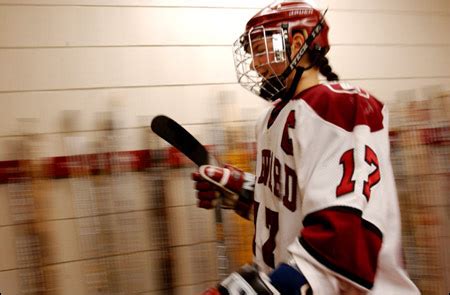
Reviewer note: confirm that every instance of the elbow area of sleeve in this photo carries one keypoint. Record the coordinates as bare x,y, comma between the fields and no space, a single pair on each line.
342,241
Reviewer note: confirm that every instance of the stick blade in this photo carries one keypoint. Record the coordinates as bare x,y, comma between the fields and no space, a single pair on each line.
172,132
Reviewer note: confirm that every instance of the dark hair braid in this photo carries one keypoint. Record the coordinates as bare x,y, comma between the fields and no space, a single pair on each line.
321,62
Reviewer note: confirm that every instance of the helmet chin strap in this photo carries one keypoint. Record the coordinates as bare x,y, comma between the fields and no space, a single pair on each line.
298,75
272,86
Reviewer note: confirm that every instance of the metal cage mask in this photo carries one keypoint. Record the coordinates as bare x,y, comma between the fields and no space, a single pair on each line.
256,53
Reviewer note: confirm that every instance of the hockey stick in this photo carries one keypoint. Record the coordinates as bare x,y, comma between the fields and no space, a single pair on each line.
172,132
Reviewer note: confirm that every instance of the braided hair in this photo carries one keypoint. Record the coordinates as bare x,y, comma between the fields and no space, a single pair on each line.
319,60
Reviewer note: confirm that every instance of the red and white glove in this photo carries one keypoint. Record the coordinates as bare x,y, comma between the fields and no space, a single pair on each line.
229,185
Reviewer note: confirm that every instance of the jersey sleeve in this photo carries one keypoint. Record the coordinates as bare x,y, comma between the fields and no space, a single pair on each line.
343,164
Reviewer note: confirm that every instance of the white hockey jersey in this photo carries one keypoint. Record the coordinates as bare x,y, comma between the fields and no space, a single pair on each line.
325,192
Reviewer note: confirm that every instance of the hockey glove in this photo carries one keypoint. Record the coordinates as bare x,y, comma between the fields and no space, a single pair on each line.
229,185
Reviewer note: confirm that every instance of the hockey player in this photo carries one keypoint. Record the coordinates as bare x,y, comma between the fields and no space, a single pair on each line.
324,202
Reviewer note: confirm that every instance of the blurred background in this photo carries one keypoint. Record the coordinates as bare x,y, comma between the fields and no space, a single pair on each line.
91,202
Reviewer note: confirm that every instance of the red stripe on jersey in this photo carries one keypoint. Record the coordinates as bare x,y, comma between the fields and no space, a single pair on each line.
344,107
341,240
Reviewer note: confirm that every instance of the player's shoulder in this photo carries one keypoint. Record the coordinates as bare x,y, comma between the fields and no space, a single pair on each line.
266,111
344,105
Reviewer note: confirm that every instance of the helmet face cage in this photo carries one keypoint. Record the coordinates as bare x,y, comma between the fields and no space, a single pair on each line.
255,53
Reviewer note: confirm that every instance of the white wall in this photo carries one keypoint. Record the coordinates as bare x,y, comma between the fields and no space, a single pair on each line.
174,57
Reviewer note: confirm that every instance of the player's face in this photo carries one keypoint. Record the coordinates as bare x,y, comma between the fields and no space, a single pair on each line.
268,55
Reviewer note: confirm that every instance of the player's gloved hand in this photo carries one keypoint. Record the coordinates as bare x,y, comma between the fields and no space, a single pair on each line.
229,185
285,280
